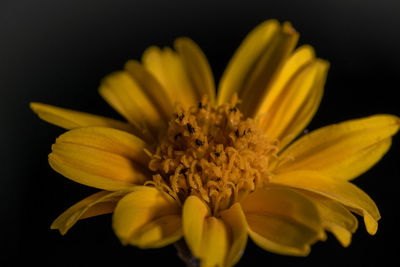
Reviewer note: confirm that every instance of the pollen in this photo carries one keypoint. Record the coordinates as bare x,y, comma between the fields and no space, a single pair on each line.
213,153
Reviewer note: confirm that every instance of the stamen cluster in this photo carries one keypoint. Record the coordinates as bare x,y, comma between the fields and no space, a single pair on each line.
212,153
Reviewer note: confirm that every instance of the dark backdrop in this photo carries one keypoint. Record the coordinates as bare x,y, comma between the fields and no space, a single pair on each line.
57,51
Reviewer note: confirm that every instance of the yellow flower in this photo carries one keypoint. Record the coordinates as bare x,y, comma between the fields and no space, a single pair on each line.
214,169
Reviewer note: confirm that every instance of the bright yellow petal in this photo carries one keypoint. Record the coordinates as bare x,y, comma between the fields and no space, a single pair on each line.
95,167
236,225
255,63
343,150
97,204
282,221
109,140
169,69
132,101
71,119
193,215
335,218
342,191
147,218
294,97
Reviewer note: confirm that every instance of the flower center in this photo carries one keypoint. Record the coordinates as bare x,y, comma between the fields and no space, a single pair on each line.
214,153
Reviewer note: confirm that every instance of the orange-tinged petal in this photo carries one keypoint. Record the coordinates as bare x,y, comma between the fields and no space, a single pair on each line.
127,96
99,203
147,218
282,220
109,140
335,218
197,67
71,119
294,97
343,150
235,222
169,69
342,191
95,167
255,63
194,213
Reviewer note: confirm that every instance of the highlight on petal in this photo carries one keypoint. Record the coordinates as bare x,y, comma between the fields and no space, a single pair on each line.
282,220
235,222
147,218
134,102
341,191
168,68
95,165
254,64
110,140
343,150
294,96
205,235
71,119
335,218
99,203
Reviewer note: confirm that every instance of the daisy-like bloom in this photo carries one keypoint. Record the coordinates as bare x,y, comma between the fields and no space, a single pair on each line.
216,168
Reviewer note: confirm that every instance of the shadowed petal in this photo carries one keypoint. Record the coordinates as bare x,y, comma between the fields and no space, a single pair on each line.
169,69
283,221
71,119
97,204
197,68
342,191
147,218
335,218
235,222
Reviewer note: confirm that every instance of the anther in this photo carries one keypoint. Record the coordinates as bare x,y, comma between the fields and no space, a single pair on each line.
177,135
190,128
199,142
217,154
181,117
237,132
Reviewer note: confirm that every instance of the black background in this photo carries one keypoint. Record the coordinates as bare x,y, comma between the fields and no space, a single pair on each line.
57,51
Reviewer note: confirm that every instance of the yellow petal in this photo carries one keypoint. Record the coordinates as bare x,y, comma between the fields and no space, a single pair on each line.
97,204
151,87
169,69
147,218
255,63
294,96
193,215
126,96
335,218
197,67
342,191
109,140
236,225
71,119
282,221
95,167
343,150
214,243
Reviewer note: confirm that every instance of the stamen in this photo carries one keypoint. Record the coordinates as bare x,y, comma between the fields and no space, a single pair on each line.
212,153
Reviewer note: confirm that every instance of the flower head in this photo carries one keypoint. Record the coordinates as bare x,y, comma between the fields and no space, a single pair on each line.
216,168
